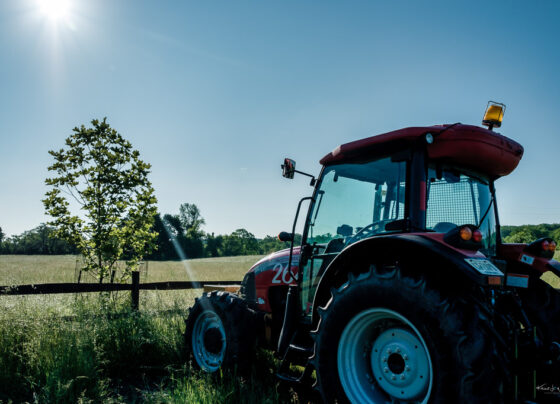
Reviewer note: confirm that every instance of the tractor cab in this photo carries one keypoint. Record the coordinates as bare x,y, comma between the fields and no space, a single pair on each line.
437,181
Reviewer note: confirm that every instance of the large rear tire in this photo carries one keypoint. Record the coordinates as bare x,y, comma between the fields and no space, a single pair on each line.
220,332
541,303
385,337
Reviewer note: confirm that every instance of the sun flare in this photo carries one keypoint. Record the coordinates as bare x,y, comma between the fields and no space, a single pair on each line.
54,10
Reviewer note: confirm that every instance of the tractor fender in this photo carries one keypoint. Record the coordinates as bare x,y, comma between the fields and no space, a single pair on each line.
427,253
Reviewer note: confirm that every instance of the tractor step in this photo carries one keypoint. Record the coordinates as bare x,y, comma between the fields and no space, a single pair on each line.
300,350
297,356
303,377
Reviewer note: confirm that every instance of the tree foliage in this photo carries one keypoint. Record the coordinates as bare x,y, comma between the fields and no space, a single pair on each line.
40,240
190,218
181,236
100,175
240,242
174,242
528,233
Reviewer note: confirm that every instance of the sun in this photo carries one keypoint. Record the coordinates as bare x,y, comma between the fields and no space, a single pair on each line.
54,10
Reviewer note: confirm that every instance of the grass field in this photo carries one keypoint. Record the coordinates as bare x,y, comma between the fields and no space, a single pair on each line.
29,269
19,269
136,357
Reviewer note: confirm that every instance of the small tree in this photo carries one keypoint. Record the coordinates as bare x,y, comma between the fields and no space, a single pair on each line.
108,183
191,219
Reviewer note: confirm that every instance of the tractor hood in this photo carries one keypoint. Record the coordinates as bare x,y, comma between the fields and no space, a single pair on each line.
276,256
468,146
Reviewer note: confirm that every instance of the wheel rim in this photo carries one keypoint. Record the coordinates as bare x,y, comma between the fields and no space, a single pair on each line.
209,341
383,357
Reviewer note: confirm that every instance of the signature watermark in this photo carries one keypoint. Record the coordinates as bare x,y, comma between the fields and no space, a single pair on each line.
549,389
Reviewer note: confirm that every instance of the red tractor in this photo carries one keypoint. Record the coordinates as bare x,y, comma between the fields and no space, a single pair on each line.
401,290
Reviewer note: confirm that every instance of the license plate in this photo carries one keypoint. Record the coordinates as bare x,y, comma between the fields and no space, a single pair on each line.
484,267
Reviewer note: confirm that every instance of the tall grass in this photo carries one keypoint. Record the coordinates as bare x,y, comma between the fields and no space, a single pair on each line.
48,358
92,348
106,353
260,386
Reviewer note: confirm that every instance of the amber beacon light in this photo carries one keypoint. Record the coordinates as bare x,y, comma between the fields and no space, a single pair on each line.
494,114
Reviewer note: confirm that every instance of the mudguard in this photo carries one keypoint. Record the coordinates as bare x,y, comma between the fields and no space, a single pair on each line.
429,247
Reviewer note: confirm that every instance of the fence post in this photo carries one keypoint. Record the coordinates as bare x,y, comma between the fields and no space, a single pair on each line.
135,293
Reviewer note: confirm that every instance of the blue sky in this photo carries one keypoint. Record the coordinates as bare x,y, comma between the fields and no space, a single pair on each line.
215,94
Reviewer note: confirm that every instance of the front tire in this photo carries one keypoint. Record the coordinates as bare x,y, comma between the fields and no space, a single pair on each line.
385,337
220,332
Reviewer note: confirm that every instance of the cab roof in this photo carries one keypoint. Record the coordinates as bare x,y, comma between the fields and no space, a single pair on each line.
467,146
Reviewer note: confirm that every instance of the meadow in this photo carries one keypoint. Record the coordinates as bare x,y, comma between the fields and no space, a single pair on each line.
65,348
36,269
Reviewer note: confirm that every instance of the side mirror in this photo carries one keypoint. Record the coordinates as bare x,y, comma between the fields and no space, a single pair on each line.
288,168
285,236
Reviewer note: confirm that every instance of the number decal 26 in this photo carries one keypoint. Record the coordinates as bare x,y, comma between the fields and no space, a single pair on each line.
281,274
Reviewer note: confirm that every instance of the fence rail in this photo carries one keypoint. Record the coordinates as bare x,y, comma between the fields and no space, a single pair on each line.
55,288
134,287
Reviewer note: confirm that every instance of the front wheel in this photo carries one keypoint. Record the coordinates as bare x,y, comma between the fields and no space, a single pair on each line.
384,337
220,332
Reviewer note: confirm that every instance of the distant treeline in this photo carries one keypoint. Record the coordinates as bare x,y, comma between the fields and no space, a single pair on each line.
179,237
530,232
36,241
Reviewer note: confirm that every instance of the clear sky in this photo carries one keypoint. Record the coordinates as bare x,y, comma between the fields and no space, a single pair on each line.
215,94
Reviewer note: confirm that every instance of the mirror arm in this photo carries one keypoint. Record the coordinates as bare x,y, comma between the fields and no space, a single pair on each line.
313,180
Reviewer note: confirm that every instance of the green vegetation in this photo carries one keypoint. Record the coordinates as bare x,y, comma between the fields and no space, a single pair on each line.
22,269
197,244
530,232
183,233
91,348
40,240
46,358
172,237
130,357
100,173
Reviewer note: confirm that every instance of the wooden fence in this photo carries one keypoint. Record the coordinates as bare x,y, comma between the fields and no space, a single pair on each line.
134,287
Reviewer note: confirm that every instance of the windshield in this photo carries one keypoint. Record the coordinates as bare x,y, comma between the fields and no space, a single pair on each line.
455,198
355,201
